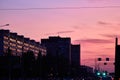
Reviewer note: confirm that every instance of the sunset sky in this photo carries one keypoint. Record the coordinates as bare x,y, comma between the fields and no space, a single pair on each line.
92,23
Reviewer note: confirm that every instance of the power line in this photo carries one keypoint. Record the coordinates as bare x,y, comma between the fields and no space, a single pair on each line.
56,8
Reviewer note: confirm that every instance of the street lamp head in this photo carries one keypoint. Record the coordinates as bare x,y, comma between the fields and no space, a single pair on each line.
4,25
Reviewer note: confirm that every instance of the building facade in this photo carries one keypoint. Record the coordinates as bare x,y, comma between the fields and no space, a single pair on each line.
75,55
61,46
18,44
57,46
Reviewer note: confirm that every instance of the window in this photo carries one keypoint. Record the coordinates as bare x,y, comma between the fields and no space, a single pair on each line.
19,42
5,38
12,40
12,44
19,46
5,42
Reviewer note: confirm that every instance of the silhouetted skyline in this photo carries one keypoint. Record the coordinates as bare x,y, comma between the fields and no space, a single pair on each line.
93,28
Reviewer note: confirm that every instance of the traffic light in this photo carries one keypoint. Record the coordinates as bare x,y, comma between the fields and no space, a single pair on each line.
99,59
104,74
101,74
98,73
107,59
105,63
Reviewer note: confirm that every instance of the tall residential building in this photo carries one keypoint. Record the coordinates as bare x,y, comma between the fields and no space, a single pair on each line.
58,46
18,44
75,55
61,46
117,60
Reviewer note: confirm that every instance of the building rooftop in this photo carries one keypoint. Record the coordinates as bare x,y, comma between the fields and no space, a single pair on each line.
15,34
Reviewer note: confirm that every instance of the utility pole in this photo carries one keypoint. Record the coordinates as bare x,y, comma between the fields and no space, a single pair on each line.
117,60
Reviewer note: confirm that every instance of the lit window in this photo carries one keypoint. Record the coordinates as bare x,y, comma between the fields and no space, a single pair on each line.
12,40
5,42
19,42
25,44
5,38
19,46
12,44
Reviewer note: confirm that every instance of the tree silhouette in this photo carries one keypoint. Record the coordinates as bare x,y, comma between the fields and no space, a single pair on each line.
28,63
39,65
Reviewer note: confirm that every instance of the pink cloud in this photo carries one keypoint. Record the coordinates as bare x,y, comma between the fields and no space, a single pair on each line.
103,23
110,35
60,32
75,27
94,41
86,51
65,32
